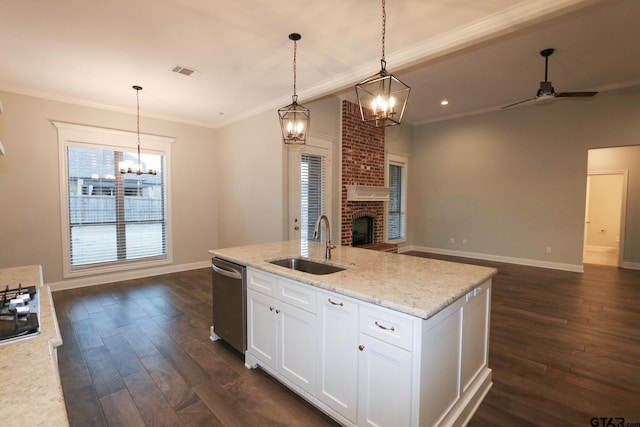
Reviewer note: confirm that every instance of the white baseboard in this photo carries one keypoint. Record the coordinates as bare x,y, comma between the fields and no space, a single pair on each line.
81,282
605,249
631,265
578,268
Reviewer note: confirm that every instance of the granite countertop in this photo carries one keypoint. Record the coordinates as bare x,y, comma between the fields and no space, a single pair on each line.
31,393
416,286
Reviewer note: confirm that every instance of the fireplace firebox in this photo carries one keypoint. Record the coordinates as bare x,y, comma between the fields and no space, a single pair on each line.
362,232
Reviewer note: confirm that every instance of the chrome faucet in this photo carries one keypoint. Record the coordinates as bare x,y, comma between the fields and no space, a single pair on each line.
316,234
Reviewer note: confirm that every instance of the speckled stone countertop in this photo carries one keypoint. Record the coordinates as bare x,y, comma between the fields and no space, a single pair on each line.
31,393
417,286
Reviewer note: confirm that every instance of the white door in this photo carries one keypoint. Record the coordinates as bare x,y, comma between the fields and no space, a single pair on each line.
338,354
309,186
297,346
262,328
384,394
604,217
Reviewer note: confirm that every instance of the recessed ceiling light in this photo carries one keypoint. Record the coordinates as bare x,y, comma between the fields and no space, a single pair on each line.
444,102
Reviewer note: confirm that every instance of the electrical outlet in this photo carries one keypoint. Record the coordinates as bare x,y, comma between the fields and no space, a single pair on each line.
464,241
452,240
548,249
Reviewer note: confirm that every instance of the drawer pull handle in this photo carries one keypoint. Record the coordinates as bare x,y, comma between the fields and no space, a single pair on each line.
270,308
384,327
277,311
335,303
360,347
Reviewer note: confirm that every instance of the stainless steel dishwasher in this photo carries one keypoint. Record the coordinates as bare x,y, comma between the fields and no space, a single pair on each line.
229,293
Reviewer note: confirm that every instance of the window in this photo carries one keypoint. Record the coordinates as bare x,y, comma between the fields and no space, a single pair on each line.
312,188
112,221
395,224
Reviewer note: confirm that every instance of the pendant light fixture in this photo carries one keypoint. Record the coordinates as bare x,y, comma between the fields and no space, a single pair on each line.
294,118
127,167
382,97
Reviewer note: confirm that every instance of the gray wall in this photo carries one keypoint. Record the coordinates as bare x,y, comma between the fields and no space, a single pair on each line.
512,183
30,224
252,173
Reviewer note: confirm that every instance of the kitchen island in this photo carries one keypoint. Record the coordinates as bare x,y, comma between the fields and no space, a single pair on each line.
390,340
31,393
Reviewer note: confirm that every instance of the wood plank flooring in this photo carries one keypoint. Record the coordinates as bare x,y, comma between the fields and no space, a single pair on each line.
564,348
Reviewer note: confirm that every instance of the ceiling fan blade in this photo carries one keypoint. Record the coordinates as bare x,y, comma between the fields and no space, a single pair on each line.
574,94
518,103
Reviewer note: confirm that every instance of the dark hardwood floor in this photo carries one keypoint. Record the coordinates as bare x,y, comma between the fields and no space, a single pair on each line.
564,348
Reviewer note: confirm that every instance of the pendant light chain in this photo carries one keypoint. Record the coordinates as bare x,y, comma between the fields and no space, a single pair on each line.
295,51
138,88
384,29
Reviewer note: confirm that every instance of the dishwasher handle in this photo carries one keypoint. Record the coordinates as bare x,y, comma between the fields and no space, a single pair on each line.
227,271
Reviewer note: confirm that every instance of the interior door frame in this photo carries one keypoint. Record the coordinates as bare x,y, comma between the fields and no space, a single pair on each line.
319,145
623,209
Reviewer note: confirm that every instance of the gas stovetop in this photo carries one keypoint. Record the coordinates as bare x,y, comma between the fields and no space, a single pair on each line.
19,313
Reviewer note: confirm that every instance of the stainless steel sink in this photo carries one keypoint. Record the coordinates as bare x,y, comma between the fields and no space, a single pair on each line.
307,266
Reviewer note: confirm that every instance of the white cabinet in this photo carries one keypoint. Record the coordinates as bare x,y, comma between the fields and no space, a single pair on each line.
367,365
281,335
262,328
338,353
385,369
456,341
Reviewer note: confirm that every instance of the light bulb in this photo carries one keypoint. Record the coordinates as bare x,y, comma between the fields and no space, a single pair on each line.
299,128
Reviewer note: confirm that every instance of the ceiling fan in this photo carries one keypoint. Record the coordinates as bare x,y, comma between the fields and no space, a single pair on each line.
546,93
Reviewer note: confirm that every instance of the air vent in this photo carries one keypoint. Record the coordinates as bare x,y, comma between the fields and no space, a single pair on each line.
189,72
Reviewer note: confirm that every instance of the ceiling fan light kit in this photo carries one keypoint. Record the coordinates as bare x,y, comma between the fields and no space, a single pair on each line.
382,98
546,93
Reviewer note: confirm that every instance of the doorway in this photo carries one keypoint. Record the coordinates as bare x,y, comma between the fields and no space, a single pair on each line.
309,186
604,218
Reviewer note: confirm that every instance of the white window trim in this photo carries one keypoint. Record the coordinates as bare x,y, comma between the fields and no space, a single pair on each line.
102,138
319,145
399,160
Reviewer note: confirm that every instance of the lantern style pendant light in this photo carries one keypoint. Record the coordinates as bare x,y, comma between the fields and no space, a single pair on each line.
294,118
382,97
127,167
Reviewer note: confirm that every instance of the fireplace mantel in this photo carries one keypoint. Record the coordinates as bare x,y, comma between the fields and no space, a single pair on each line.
368,193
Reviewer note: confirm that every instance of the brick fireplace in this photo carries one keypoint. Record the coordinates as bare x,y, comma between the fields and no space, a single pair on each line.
362,164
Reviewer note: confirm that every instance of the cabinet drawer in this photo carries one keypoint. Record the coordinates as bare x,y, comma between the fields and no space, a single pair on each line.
262,282
387,326
297,294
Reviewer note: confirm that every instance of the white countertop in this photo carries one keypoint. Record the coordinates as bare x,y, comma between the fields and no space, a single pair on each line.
416,286
31,393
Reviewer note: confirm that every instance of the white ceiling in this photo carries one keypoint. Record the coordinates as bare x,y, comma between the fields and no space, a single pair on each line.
479,55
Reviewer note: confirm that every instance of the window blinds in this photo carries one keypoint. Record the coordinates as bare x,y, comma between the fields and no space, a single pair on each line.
312,190
114,217
395,214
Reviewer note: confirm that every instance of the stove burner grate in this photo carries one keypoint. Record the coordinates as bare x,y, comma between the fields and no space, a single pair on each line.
18,312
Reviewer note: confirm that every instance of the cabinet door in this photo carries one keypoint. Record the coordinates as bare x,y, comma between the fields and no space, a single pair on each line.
338,354
261,328
475,334
297,346
384,393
